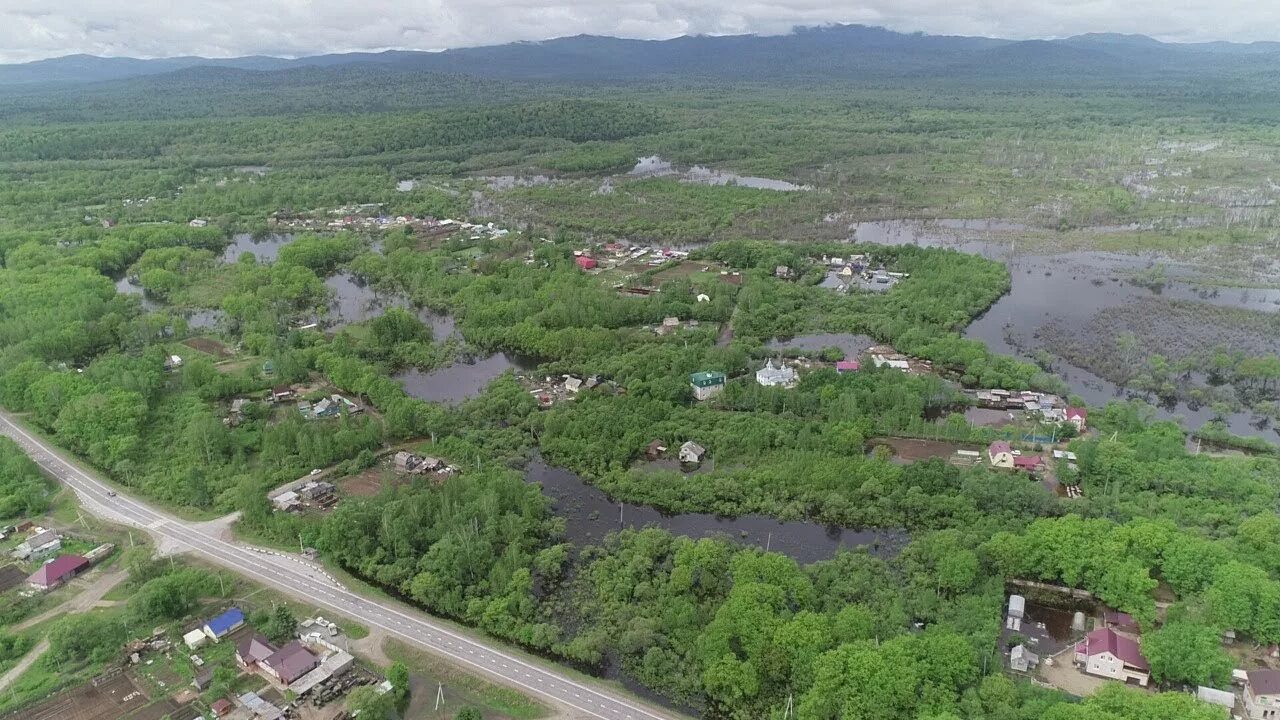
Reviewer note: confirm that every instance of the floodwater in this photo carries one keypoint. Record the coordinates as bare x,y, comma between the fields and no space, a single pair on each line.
852,345
406,185
355,301
124,287
460,381
265,248
590,515
1069,288
654,166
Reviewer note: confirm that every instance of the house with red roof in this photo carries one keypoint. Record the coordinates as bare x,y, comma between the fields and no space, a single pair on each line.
1077,416
1106,653
847,366
1000,454
585,262
56,572
1029,463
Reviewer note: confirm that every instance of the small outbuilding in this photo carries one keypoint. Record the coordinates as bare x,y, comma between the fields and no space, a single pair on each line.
692,453
195,639
1022,660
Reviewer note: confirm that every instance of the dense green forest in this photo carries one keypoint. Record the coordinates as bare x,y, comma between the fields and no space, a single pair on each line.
104,279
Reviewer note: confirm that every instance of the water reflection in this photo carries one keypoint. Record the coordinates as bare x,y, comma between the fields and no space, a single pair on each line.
264,248
590,515
1069,289
460,381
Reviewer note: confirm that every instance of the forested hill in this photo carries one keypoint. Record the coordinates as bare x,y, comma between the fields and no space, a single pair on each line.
844,51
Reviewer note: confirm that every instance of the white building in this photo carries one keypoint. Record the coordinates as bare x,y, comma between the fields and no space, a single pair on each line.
1023,660
691,452
777,375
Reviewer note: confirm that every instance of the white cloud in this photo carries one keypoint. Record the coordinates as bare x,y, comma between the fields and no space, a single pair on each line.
31,29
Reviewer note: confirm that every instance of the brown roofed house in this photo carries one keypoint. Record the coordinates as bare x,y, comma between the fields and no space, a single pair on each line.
290,662
253,649
1262,694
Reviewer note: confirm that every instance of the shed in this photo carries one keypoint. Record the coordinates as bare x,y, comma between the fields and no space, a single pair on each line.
221,707
203,679
692,452
655,449
585,262
195,639
1017,606
1216,697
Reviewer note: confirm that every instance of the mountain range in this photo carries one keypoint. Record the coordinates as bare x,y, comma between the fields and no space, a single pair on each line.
852,51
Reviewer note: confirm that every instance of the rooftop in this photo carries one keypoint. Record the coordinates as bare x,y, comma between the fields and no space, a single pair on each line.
226,622
1126,649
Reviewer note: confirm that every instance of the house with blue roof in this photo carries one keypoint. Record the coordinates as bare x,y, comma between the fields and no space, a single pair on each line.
225,624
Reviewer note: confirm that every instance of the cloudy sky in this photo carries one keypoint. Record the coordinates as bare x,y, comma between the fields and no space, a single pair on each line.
33,29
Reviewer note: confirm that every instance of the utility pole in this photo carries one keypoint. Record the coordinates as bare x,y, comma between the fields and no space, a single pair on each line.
439,696
790,711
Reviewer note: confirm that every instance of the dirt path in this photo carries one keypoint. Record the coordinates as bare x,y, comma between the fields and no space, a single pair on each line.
89,598
24,664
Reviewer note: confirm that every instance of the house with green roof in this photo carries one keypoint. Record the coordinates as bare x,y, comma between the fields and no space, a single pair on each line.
707,384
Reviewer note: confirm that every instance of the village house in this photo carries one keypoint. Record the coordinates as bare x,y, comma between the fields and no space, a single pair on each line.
406,462
225,624
1262,694
692,453
1078,417
1106,653
707,384
56,572
172,362
777,375
281,393
289,663
585,262
253,649
1028,463
1000,454
668,326
40,544
1022,660
572,384
847,366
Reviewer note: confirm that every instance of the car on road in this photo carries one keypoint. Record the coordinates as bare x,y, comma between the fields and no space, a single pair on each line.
111,493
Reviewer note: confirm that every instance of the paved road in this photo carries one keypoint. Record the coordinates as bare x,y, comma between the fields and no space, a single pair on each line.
290,576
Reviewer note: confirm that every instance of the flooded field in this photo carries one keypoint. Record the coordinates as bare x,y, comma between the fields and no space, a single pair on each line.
1070,291
462,380
591,514
852,345
654,166
355,301
264,248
